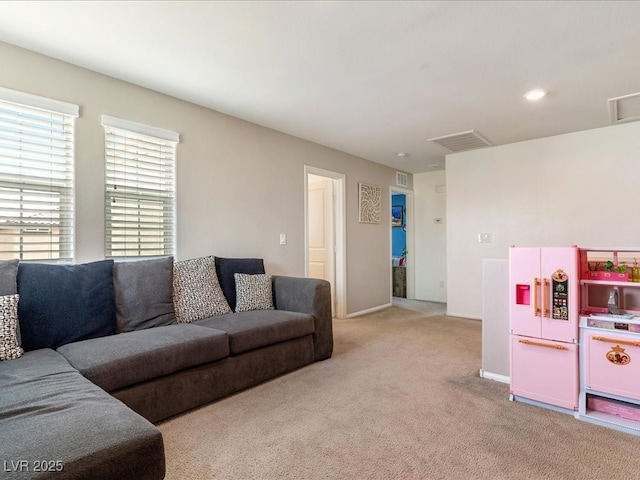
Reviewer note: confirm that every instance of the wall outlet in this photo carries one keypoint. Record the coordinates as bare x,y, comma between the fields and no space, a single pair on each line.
484,238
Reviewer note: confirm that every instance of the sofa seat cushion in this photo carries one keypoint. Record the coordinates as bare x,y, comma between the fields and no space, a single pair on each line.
125,359
48,411
259,328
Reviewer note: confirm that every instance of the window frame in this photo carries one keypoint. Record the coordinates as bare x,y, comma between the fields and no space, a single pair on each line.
125,143
34,128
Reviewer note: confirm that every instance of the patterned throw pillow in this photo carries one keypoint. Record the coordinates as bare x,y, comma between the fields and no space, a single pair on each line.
196,291
253,292
9,283
226,268
9,347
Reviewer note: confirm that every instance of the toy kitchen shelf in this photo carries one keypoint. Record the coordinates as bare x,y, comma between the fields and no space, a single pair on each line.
609,342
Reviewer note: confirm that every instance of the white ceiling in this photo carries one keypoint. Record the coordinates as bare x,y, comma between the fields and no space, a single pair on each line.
368,78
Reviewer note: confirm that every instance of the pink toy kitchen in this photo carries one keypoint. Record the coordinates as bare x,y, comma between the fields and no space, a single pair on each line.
574,316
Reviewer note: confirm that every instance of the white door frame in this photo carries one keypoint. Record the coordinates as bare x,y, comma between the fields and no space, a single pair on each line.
339,227
411,250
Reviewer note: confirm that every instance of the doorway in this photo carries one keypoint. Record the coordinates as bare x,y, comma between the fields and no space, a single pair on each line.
325,232
402,243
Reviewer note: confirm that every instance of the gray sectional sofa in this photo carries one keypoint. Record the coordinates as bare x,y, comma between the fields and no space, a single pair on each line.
110,348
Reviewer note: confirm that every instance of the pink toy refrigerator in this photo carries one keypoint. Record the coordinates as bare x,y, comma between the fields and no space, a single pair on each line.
543,318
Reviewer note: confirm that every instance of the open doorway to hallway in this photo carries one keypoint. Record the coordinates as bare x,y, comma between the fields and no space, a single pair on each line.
428,309
402,240
325,232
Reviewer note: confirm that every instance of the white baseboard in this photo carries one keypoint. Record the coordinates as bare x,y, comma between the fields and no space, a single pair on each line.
495,376
369,310
463,315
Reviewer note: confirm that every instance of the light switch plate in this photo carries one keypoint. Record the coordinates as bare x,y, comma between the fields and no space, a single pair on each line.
484,238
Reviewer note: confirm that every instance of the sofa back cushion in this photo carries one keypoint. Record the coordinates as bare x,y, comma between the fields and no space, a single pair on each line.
228,267
8,277
61,304
9,286
143,292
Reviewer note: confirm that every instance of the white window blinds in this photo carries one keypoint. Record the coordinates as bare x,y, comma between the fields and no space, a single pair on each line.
140,189
36,177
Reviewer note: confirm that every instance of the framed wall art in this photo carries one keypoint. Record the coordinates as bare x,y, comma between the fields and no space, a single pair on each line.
369,203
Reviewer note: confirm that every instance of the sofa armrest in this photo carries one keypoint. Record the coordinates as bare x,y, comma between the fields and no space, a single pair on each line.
312,296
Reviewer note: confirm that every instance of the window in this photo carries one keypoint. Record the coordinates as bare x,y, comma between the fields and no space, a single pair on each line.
139,189
36,177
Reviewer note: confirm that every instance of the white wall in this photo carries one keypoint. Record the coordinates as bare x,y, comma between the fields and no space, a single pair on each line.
430,237
576,189
495,319
239,185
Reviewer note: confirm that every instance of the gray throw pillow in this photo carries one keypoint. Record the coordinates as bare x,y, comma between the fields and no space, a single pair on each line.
9,347
8,274
143,292
196,290
9,285
253,292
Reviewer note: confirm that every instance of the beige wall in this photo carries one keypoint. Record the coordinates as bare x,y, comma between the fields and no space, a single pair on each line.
576,189
239,185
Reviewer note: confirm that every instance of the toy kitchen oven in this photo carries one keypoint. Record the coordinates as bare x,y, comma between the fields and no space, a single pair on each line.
610,340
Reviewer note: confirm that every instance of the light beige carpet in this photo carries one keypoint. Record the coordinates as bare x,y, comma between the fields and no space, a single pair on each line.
400,399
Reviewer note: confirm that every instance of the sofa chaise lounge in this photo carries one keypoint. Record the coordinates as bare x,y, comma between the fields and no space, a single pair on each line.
112,347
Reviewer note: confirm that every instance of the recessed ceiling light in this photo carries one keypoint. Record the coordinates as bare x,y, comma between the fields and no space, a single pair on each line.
536,94
402,154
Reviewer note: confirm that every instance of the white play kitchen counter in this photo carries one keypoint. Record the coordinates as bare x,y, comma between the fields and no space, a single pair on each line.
610,371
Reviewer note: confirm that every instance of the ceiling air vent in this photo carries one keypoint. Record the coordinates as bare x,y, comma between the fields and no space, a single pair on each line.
459,142
402,179
624,109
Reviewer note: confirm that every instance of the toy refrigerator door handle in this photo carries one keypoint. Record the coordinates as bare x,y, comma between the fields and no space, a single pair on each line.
545,299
